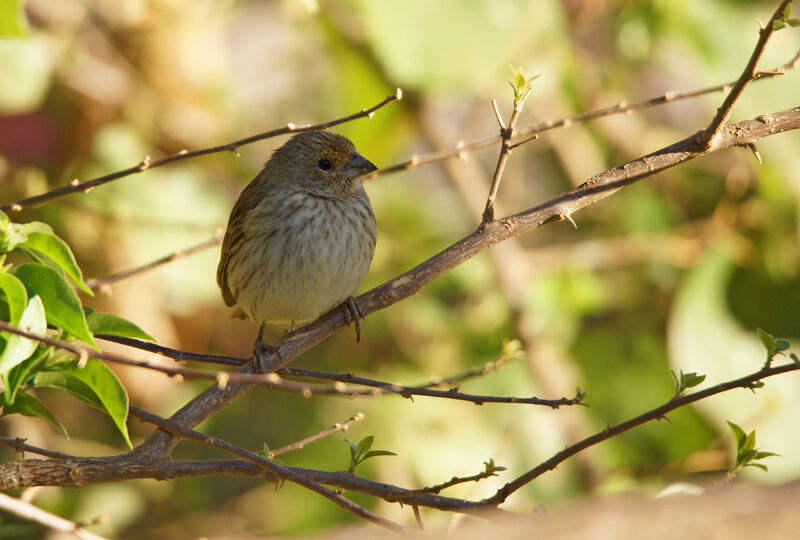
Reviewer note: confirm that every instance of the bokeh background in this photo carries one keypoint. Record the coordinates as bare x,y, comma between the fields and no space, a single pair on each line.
675,272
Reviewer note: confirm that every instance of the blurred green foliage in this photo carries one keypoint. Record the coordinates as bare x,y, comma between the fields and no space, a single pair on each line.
672,273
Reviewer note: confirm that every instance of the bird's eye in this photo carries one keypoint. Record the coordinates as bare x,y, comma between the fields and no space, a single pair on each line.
325,164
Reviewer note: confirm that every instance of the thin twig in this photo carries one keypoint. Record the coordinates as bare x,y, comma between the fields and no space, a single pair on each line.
99,283
175,354
409,391
33,513
506,132
654,414
335,428
749,74
19,445
148,163
223,378
444,485
278,470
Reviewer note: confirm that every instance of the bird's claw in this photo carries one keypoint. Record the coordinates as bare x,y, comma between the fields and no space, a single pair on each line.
265,356
353,313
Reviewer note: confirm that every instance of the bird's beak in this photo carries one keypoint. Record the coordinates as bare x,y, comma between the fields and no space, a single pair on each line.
359,166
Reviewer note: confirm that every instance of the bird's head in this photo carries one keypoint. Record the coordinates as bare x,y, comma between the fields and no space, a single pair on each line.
322,163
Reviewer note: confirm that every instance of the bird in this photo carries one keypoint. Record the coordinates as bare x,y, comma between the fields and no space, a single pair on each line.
300,237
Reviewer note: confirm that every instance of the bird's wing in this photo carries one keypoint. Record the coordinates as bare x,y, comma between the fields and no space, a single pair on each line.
235,235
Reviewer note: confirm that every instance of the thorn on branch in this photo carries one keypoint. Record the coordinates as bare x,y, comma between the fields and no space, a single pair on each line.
754,149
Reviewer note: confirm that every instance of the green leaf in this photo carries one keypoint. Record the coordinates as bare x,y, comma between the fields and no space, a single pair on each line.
106,323
738,434
373,453
757,466
28,405
18,348
794,358
94,384
766,339
61,303
365,444
780,346
24,371
54,248
13,23
749,442
10,235
14,296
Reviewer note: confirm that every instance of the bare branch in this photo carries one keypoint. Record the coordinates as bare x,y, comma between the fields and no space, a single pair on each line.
20,446
148,163
100,283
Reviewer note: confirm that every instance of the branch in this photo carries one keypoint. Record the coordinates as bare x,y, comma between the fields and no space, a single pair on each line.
724,111
148,163
655,414
26,510
223,378
335,428
20,446
100,283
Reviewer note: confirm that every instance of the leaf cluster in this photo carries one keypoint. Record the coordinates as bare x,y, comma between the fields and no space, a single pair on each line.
39,296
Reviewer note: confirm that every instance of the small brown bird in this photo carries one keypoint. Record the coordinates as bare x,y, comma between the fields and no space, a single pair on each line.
301,236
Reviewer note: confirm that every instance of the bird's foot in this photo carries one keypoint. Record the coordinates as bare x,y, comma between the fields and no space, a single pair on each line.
353,313
265,356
